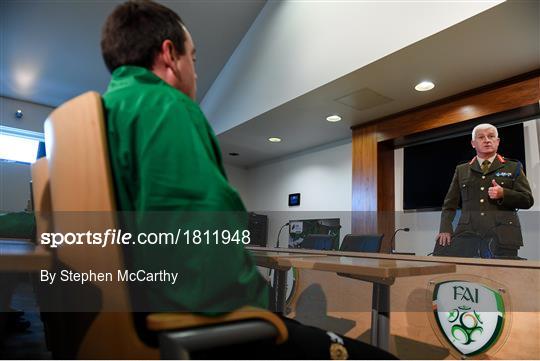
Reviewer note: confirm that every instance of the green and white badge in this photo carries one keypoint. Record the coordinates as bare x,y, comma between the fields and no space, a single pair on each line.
470,315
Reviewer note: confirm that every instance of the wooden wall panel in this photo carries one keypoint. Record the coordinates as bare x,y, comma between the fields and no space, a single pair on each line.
490,102
364,192
385,193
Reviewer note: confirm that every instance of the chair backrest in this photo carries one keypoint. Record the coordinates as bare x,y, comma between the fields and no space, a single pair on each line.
317,241
82,199
369,243
41,196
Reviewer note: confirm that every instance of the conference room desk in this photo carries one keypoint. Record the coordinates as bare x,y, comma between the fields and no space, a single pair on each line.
271,259
330,301
380,272
18,255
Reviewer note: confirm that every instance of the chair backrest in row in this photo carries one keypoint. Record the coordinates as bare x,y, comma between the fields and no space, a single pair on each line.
369,243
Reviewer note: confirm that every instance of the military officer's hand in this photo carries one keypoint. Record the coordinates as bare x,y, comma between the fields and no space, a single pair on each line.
444,238
495,192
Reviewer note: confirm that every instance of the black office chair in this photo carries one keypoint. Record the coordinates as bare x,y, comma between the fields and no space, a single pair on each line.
317,241
369,243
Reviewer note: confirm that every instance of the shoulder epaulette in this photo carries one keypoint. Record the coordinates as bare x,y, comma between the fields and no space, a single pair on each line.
501,158
518,166
511,160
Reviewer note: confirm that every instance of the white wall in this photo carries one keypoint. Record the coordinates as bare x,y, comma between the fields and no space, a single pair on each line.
323,177
531,218
425,225
238,177
15,177
294,47
14,186
34,114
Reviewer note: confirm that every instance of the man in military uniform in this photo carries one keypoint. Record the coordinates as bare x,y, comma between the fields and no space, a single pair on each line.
491,189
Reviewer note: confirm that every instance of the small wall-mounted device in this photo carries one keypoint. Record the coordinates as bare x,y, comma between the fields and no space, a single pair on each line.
18,114
294,199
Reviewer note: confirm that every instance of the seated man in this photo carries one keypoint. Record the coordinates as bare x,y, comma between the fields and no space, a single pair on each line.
165,159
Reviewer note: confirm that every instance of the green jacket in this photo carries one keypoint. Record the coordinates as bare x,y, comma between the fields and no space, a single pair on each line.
167,168
481,214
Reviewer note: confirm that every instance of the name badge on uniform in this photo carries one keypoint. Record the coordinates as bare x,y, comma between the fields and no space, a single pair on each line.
504,174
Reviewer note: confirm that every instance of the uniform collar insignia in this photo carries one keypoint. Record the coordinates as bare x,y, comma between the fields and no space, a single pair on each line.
499,157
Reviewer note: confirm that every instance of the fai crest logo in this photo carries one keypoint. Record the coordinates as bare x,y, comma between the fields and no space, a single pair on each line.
469,315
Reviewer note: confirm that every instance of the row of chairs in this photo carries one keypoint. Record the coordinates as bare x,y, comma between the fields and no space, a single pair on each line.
368,243
76,177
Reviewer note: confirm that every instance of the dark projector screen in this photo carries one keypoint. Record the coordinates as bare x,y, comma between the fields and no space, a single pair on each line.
429,167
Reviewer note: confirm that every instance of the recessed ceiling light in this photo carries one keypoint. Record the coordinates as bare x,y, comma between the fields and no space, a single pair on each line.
274,140
333,118
25,78
234,154
424,86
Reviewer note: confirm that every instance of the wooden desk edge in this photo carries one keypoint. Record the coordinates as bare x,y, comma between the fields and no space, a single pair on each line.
446,260
40,258
384,272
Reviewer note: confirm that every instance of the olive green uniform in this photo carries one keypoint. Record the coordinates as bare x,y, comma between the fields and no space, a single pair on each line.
488,217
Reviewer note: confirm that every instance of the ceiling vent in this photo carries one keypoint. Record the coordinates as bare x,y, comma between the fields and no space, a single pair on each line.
364,99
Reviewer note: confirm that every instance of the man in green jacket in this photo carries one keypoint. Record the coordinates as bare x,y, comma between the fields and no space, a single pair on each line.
168,172
491,189
167,167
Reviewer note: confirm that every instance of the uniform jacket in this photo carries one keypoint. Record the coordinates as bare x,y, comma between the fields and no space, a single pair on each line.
481,214
168,171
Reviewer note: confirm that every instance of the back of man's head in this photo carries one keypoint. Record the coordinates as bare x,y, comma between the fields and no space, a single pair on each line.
134,32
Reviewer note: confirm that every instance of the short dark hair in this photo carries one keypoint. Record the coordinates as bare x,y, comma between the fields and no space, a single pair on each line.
134,32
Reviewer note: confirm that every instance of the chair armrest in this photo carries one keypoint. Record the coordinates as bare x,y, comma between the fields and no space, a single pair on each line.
178,321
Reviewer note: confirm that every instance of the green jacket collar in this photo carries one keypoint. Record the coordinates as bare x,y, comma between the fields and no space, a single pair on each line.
497,164
130,75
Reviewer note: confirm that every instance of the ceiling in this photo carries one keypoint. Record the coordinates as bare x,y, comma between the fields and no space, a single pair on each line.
497,44
50,52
